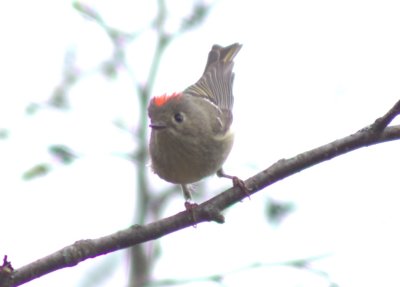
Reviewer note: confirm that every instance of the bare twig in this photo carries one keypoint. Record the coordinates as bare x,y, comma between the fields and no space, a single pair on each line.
384,121
207,211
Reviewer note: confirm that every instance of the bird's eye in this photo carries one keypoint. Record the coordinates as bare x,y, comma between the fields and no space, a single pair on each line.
178,117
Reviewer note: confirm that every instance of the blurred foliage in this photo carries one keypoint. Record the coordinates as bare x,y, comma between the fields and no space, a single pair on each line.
87,11
59,98
38,170
276,211
32,108
199,13
4,134
62,153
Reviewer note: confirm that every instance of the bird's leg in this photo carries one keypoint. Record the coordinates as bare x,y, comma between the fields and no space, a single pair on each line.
187,192
236,181
189,205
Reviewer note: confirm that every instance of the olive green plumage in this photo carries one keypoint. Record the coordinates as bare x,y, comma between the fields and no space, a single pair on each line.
191,136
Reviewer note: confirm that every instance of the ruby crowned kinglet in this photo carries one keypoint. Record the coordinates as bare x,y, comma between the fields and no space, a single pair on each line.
190,131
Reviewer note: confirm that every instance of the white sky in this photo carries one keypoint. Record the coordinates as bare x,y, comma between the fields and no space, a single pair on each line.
309,72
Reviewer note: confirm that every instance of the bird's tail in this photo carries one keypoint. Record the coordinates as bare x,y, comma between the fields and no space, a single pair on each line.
216,82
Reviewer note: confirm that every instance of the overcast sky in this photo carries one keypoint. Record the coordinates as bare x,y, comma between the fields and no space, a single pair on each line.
309,72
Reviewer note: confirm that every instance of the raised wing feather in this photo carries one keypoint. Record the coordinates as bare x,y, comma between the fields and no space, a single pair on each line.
217,79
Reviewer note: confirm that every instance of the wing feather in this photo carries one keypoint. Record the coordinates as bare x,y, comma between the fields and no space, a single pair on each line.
216,82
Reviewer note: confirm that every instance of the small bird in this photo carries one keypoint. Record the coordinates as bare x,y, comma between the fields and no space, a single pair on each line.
191,133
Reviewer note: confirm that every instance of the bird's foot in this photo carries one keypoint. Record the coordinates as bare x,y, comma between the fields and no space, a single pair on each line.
191,209
236,182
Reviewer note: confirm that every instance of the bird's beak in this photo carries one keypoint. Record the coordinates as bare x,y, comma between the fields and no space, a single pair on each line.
157,126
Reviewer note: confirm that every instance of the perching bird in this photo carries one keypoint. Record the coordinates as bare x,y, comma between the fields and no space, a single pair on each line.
190,131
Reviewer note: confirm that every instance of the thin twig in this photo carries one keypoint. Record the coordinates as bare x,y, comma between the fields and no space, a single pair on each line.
384,121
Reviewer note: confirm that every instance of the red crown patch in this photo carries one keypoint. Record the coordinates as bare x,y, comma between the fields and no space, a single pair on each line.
161,100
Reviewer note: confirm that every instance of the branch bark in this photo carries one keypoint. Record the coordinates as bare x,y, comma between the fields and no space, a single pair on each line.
69,256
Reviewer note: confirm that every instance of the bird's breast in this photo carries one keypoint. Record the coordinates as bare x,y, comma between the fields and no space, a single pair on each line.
188,159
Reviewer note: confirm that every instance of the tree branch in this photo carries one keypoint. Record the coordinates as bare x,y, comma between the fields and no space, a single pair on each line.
385,120
210,210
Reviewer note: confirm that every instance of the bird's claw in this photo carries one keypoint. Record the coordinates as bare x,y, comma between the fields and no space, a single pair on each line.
190,207
240,183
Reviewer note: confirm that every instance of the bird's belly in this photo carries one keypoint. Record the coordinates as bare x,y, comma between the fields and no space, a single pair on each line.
187,162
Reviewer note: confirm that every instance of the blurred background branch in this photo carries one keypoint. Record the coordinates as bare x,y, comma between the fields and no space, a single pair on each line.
141,257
